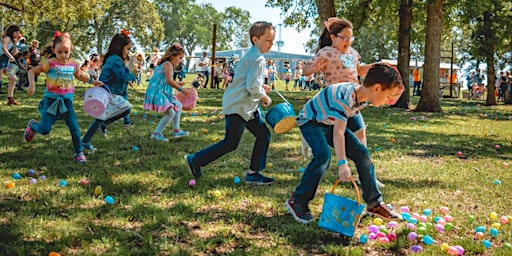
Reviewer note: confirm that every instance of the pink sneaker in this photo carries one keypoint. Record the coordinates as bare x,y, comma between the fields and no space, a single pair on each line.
29,134
80,157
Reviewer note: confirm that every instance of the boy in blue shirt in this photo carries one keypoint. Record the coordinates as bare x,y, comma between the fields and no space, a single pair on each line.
323,123
240,107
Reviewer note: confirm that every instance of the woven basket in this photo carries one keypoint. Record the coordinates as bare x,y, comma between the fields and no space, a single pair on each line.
188,100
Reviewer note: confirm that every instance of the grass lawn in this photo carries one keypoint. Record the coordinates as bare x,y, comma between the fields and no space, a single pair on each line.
156,212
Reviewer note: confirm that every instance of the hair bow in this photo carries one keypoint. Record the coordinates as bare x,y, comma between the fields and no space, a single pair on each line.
58,33
177,45
125,32
329,22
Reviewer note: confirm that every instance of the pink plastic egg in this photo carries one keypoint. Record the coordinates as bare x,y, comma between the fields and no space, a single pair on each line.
404,209
444,209
448,218
452,250
392,224
383,240
504,220
423,218
411,226
439,228
392,236
372,236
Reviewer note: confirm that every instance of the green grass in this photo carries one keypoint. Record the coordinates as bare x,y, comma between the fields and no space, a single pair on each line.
157,213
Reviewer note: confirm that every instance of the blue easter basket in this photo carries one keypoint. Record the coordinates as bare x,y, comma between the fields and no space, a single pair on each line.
339,214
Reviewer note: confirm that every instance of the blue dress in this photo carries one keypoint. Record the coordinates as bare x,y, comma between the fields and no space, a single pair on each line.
159,96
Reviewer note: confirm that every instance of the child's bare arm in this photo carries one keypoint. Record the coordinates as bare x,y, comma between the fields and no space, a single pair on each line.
344,172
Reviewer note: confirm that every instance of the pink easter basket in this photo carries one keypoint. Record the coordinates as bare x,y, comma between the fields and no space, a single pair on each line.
189,100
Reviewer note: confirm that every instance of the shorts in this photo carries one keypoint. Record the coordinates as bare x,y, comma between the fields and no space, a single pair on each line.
4,61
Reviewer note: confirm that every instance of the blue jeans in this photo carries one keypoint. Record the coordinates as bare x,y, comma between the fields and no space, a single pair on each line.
47,120
319,138
97,123
235,126
126,118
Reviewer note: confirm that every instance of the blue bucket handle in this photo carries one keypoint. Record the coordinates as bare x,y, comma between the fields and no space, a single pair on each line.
355,186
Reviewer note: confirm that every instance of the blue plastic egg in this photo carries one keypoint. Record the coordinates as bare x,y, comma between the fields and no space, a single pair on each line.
63,183
363,239
16,176
109,200
236,180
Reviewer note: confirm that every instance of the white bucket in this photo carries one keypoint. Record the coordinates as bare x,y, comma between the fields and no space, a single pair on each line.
95,101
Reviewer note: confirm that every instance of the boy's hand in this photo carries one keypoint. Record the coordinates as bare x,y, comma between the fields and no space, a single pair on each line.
344,173
97,83
31,89
266,101
266,88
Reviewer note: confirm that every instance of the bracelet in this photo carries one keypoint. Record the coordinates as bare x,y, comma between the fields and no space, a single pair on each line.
180,88
90,79
342,162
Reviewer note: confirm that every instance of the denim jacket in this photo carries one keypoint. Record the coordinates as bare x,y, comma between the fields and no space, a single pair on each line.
116,75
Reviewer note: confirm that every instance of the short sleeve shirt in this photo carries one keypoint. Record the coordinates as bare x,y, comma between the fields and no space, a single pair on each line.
59,77
341,67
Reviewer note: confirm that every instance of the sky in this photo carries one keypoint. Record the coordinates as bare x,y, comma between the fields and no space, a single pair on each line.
293,41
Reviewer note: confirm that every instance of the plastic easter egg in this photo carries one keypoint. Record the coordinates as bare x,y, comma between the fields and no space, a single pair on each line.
452,250
480,229
135,148
496,225
471,218
301,169
423,218
404,209
504,220
479,235
42,177
427,212
109,200
372,236
205,131
270,165
422,224
135,113
32,181
373,228
192,182
412,220
444,246
505,164
54,254
363,239
436,219
412,236
392,236
497,146
428,240
383,230
429,225
217,193
236,180
493,215
507,245
383,240
411,226
444,209
439,228
448,218
487,243
494,232
84,182
405,215
448,227
10,185
31,172
460,249
155,116
416,248
16,176
97,190
441,221
422,230
381,234
497,182
392,224
63,183
377,221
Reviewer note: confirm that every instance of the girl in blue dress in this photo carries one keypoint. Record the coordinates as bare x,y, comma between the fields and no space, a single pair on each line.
159,95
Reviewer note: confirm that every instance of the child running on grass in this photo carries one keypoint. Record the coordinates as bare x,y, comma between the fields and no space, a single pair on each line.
159,96
240,106
116,76
323,123
57,102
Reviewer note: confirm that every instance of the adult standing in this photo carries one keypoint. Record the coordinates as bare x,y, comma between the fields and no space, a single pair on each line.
417,81
202,67
7,52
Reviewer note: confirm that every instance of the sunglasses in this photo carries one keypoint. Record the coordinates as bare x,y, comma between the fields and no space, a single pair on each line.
346,38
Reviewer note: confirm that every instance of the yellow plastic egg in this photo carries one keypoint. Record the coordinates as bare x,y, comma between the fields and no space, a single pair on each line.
445,246
270,165
493,215
97,190
377,221
496,225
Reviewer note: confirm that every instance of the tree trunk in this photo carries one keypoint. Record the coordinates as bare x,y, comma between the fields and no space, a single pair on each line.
326,9
404,49
489,56
429,100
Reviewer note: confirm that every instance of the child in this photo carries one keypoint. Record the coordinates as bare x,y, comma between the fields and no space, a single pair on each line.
159,96
271,67
297,77
7,52
23,71
225,76
287,76
198,81
116,76
57,102
240,106
339,63
323,123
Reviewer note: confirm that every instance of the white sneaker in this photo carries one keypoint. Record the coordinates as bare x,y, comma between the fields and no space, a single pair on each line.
179,133
158,137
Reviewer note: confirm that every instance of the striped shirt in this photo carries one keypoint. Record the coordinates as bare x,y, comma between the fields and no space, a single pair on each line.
338,101
59,77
